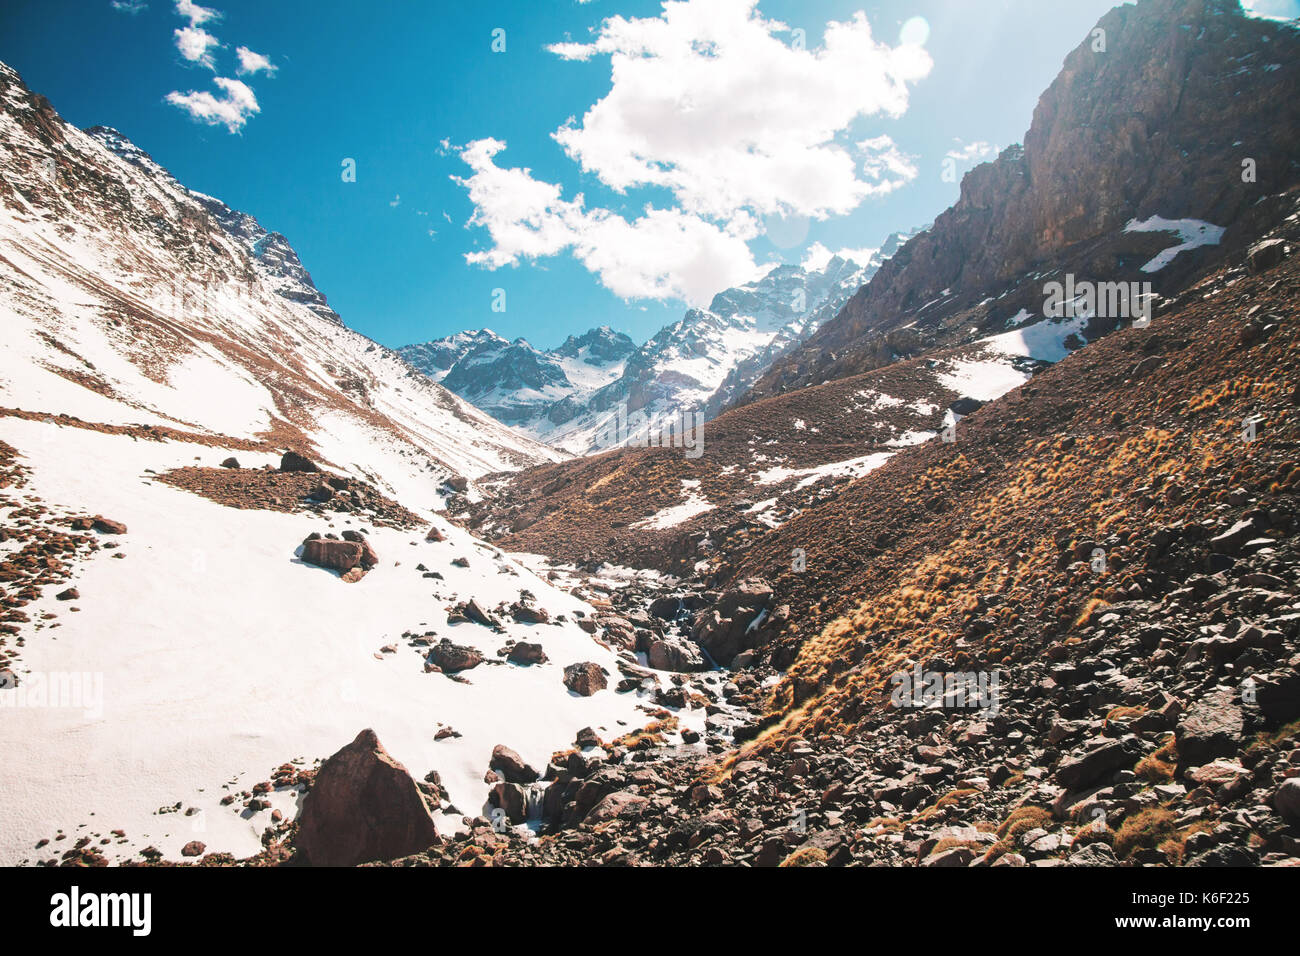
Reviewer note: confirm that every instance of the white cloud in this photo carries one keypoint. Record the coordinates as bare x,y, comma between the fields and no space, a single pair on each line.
722,108
1272,9
250,62
975,152
663,254
709,101
130,6
194,44
885,165
195,13
817,256
231,110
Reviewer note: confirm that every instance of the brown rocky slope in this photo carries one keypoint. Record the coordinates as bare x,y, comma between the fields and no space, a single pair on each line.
1147,704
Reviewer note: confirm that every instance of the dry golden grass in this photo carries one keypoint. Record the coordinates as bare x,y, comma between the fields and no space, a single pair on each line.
1023,819
1159,766
1146,829
807,856
651,735
1175,847
1019,822
924,610
1123,715
889,824
954,798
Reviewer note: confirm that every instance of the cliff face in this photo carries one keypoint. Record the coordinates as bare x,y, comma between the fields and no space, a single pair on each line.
1182,109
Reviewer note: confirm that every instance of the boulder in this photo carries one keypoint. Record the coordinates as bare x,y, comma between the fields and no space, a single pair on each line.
510,766
1094,854
729,627
670,654
105,526
528,614
292,461
1286,800
1212,727
1263,256
525,652
666,608
585,678
451,658
511,798
1098,758
1234,539
1278,695
477,614
338,556
363,806
621,803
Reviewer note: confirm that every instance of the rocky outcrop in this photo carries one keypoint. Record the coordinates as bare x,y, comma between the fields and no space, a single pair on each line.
731,626
294,462
362,806
1159,122
271,256
675,654
586,678
341,556
510,766
451,658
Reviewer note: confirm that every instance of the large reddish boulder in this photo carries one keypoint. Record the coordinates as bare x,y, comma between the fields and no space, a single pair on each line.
363,806
450,658
729,628
335,555
510,766
585,678
292,461
621,803
341,556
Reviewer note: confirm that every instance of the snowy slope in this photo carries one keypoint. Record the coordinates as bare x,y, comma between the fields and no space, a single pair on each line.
124,298
211,656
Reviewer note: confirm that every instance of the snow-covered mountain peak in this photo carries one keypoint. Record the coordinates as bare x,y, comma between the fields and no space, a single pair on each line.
127,299
568,396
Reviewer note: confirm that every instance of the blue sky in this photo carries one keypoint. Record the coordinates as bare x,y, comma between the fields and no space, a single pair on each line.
706,138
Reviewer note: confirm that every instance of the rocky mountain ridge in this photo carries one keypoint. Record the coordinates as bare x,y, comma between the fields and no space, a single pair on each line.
1182,109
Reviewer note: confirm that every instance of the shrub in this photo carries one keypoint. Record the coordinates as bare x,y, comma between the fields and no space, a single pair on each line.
807,856
1158,766
1146,829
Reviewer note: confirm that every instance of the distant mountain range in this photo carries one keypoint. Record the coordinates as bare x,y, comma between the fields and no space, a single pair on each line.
569,396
